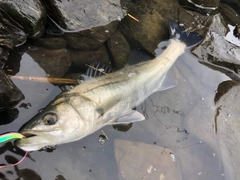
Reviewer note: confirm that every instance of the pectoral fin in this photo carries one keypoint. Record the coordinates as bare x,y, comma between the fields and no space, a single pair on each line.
108,104
129,117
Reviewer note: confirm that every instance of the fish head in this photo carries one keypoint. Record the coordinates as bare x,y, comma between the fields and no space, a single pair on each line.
58,123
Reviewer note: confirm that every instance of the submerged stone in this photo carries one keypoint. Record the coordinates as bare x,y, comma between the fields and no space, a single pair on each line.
50,43
149,161
119,49
81,58
54,62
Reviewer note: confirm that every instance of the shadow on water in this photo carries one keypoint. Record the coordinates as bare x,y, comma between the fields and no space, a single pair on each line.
8,115
10,159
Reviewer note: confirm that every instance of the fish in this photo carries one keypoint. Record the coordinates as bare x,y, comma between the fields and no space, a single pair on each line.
105,100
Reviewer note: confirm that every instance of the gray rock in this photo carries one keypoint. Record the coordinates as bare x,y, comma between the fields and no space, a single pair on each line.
75,15
29,15
119,49
217,52
10,35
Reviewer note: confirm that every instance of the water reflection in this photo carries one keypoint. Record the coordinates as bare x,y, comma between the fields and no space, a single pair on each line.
8,115
25,173
123,127
60,177
181,120
9,147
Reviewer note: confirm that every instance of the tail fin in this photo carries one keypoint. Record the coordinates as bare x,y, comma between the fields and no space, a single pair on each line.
178,32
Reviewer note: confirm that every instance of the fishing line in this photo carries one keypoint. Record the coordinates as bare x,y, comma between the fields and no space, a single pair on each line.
11,136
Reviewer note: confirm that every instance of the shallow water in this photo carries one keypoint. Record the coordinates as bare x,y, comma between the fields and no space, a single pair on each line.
180,119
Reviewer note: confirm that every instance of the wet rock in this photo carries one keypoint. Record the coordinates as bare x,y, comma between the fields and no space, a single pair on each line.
91,38
235,4
50,43
153,17
10,35
217,52
60,177
12,65
158,163
223,89
4,52
54,62
229,14
80,58
119,49
29,15
152,27
76,16
194,21
202,5
10,95
6,38
237,31
227,127
53,29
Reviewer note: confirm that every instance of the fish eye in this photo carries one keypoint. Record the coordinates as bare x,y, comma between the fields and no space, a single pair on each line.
50,118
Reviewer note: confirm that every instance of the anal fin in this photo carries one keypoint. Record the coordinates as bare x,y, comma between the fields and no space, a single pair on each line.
168,81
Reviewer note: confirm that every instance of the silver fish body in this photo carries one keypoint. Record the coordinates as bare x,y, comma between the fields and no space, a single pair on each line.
100,101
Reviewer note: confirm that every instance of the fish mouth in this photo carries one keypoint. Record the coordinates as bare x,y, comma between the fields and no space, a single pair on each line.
34,141
28,135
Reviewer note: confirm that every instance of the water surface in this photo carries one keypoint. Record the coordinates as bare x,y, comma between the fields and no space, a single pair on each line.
180,119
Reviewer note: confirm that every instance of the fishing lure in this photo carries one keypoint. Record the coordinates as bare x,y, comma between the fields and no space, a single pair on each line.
11,136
